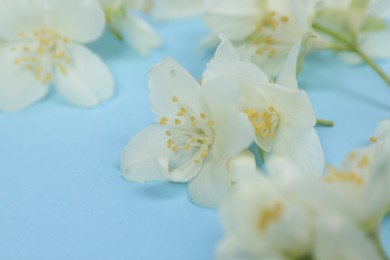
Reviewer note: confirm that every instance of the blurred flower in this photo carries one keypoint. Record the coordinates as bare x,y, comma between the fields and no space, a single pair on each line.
291,215
267,29
360,21
199,130
42,46
382,132
280,113
125,25
176,9
125,22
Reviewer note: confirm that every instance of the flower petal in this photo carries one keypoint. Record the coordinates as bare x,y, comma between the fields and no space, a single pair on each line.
241,167
179,166
376,43
228,62
383,130
302,147
236,20
293,106
288,74
139,161
167,80
79,20
339,238
176,9
233,131
18,86
211,184
140,35
87,81
19,16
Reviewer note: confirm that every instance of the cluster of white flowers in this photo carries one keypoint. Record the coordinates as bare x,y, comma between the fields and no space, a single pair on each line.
269,30
201,127
248,97
41,44
290,215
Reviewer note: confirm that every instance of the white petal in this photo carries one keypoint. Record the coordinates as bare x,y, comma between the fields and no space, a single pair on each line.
377,193
113,4
233,131
19,16
288,74
139,161
241,167
211,184
339,238
18,86
302,148
236,20
176,9
376,44
167,80
140,35
228,62
383,130
87,80
179,166
226,51
79,20
293,106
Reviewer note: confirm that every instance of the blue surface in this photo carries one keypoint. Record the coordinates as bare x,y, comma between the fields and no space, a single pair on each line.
61,192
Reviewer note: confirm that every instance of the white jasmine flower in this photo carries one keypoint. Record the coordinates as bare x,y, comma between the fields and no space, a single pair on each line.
199,130
357,190
262,223
382,132
42,46
126,25
273,218
363,22
269,29
176,9
280,113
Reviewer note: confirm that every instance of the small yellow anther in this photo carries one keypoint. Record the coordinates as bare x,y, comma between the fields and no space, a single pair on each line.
47,79
164,121
211,123
284,19
203,154
182,112
373,139
363,162
175,99
177,121
203,115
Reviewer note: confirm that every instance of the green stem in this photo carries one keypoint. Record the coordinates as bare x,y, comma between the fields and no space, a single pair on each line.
262,154
352,46
372,64
326,123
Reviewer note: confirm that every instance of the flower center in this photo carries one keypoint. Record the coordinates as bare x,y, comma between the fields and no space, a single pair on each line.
189,132
263,36
41,51
335,176
269,215
265,122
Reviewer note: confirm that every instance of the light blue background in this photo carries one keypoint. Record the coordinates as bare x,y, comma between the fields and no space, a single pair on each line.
61,191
